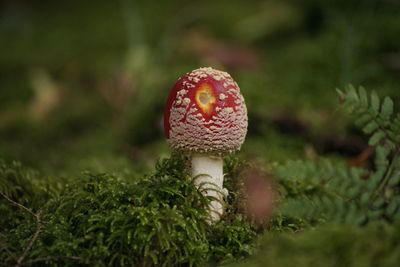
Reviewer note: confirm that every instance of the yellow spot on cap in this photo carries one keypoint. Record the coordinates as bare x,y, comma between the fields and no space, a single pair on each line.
205,98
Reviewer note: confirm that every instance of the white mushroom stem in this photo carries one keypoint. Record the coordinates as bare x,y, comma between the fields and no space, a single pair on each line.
208,175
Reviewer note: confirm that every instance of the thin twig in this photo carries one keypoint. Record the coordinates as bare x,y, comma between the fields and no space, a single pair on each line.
38,221
33,239
387,176
18,205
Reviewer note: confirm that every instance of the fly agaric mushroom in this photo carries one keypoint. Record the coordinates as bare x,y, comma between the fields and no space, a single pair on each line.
206,117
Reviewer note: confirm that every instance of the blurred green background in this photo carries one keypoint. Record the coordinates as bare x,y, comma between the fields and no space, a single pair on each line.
83,83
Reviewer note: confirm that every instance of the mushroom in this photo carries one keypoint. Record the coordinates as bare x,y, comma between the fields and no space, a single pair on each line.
206,117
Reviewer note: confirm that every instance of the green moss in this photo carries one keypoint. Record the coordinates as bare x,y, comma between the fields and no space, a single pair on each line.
157,220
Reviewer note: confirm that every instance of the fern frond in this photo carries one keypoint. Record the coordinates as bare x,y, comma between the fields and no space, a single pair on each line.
375,116
318,191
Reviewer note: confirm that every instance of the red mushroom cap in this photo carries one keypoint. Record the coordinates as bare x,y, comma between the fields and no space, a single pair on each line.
206,113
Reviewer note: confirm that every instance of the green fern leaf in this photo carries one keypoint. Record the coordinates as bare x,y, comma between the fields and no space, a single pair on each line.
375,102
376,137
370,127
363,119
387,108
363,97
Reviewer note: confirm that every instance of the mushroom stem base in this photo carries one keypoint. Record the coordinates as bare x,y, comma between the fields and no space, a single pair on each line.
208,176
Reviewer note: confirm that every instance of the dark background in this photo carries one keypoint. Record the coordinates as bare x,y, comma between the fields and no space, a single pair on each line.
83,83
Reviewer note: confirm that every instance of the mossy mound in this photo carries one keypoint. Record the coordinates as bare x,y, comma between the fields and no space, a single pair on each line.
157,220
